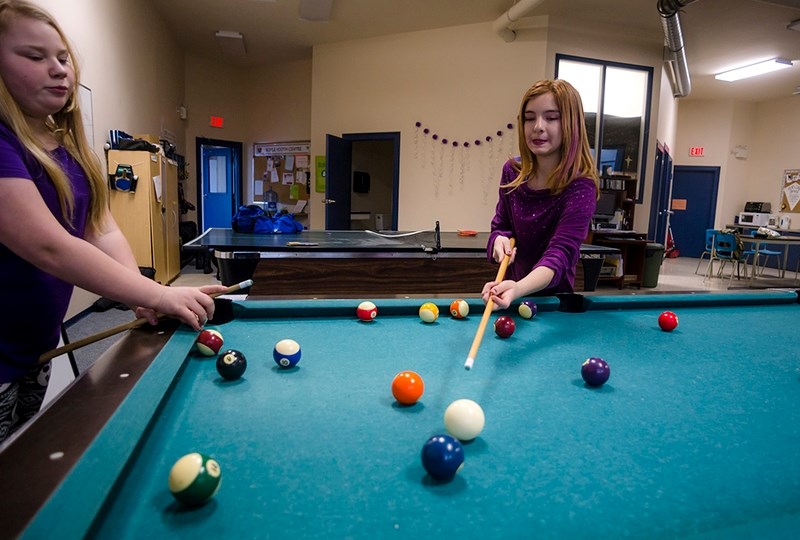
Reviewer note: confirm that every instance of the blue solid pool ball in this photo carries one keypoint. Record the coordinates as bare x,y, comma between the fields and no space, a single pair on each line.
286,353
527,309
231,364
442,456
595,371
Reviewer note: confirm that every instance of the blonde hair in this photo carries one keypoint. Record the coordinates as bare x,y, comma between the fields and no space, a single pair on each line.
66,125
576,158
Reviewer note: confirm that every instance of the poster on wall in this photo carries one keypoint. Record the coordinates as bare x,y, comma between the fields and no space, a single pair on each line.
790,192
319,178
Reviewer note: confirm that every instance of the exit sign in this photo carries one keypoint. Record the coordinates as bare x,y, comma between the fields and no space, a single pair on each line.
216,121
696,151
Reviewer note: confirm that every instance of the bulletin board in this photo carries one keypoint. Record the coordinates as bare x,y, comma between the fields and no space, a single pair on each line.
790,192
284,168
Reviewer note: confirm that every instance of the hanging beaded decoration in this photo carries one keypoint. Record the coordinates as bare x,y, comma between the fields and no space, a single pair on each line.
491,145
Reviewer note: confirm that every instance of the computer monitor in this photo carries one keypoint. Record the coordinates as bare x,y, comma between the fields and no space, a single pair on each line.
606,205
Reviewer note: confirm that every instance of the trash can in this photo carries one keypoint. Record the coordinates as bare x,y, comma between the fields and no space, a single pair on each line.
653,255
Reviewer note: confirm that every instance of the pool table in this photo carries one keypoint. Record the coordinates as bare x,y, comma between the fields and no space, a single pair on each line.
696,433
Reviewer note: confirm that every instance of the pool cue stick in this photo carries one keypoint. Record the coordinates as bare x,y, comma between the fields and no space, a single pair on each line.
487,312
46,357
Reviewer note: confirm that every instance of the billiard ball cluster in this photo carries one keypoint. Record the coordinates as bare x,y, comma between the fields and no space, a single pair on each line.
442,454
195,478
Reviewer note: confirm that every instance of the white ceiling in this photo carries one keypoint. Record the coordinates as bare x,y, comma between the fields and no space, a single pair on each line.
718,33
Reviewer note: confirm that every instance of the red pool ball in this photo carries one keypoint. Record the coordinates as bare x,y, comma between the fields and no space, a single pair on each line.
668,321
367,311
504,326
595,371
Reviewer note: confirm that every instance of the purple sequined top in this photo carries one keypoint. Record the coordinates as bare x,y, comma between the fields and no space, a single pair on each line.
549,229
35,302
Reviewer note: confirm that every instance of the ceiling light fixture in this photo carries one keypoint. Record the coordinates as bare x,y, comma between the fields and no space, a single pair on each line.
752,70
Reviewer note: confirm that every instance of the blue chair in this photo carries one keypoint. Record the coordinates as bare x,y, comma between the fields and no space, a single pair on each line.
767,253
707,248
725,248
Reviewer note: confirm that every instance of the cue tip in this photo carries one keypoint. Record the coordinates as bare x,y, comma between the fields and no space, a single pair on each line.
246,283
468,364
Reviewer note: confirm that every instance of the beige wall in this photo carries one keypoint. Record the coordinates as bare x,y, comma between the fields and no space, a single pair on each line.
776,140
212,89
463,83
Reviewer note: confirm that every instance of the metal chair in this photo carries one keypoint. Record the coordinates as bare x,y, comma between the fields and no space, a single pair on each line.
707,249
767,253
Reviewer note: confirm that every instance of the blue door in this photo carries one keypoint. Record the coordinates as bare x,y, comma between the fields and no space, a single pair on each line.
220,182
694,203
659,203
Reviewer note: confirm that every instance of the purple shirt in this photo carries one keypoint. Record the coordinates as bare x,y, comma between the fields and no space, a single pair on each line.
549,229
34,301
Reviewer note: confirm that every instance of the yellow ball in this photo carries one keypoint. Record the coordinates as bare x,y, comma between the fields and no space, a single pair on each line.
429,312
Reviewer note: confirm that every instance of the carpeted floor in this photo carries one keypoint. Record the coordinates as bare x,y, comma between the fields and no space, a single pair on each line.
91,323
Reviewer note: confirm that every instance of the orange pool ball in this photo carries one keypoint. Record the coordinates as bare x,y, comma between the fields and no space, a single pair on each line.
407,387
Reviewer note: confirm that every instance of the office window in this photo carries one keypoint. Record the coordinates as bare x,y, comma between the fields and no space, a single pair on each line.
616,101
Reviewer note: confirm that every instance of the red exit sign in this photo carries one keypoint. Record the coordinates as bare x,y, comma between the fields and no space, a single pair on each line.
216,121
696,151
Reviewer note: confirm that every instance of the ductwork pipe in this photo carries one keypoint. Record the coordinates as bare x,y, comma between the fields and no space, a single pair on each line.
515,13
675,53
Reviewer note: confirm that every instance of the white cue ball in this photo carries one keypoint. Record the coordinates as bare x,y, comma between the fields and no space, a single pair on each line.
464,419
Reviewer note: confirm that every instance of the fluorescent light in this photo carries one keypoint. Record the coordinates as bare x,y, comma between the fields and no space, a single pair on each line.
760,68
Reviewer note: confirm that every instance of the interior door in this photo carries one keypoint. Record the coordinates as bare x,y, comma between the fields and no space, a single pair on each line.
694,203
338,188
659,204
219,182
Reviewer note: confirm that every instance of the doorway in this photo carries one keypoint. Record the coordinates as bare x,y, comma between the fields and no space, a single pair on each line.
219,181
362,181
694,204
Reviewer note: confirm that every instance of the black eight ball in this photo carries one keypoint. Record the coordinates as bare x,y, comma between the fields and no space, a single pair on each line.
231,364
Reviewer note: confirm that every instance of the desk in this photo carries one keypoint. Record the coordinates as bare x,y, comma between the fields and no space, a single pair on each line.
346,264
786,241
633,250
685,439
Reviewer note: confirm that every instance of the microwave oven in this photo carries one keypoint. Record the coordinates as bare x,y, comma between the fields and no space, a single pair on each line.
759,219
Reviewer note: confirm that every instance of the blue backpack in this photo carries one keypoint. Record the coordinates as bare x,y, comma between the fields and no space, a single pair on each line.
253,219
244,220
